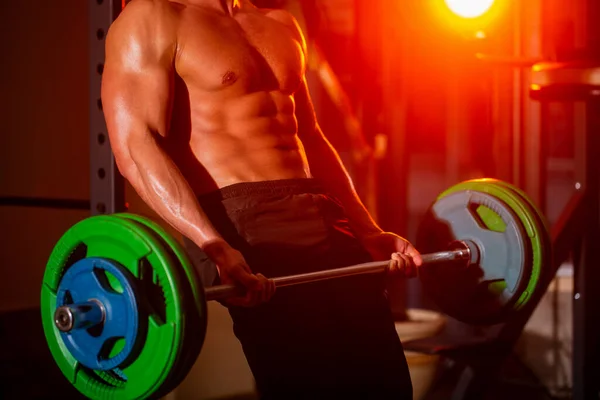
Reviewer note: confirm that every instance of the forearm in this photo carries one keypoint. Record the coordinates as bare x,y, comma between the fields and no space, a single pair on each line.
327,167
160,184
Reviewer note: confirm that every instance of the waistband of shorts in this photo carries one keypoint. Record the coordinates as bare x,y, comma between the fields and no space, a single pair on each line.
265,188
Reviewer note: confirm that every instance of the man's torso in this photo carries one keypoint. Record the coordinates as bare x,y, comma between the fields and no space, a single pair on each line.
233,107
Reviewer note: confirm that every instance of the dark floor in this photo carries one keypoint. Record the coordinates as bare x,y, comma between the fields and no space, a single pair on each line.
515,382
27,370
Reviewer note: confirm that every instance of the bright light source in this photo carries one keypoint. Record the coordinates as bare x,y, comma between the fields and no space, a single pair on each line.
480,35
469,8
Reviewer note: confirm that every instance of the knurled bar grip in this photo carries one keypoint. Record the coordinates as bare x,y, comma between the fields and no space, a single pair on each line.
221,292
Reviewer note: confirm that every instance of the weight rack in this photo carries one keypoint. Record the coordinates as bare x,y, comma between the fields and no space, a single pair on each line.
577,231
107,186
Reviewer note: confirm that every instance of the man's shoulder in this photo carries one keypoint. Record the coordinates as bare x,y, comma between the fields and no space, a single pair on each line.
283,16
143,9
144,18
286,18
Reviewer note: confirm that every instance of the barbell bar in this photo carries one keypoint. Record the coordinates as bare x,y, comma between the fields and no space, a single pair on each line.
464,253
92,312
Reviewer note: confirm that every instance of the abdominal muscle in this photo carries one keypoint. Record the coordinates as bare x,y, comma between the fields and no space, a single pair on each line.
238,138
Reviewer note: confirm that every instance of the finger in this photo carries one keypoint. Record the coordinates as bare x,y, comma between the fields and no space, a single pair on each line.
414,254
269,290
405,247
244,277
243,299
403,264
411,268
250,299
271,287
396,263
263,294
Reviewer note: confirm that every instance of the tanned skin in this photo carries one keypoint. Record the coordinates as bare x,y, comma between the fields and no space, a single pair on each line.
202,94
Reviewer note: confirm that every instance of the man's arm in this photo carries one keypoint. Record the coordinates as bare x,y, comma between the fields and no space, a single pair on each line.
137,91
137,94
326,165
324,161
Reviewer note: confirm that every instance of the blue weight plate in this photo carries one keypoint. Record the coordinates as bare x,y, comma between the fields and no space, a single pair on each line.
86,281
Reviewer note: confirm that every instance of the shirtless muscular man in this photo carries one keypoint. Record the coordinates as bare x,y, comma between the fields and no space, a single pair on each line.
210,120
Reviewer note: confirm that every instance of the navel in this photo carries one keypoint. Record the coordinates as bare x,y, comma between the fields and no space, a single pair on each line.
229,78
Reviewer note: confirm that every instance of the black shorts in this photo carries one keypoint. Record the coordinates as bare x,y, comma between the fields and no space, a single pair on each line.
318,340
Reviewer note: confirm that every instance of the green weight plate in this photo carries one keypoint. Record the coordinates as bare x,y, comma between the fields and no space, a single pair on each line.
129,244
540,223
541,218
194,302
486,292
186,299
538,237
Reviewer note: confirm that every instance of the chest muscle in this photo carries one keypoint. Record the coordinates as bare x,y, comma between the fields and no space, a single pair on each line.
247,54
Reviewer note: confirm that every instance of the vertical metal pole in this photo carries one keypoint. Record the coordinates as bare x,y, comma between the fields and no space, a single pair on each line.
578,282
586,302
534,145
397,173
456,130
517,101
107,186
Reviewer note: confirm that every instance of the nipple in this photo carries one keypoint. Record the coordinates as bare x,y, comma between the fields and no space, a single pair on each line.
229,78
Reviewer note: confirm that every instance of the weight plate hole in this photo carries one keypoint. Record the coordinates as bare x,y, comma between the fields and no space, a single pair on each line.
68,298
110,349
95,331
79,253
153,292
117,347
497,286
487,218
108,280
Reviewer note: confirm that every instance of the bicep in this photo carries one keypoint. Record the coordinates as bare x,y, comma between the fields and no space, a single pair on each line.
136,93
136,108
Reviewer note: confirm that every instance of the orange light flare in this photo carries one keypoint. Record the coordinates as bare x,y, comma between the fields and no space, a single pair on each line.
469,17
469,8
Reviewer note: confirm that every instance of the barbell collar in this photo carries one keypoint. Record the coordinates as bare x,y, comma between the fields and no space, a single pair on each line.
462,252
79,316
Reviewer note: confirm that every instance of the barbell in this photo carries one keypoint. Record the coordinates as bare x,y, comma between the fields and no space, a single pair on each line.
125,315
